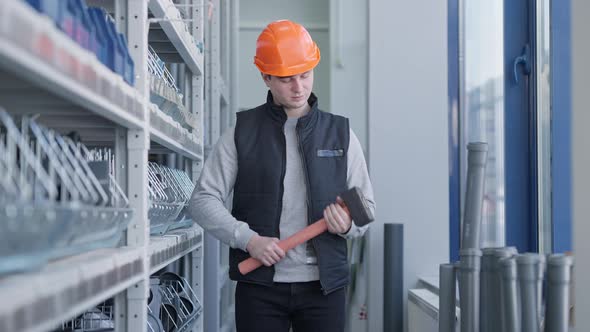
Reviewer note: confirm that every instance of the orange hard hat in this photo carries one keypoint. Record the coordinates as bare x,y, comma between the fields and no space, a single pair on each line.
285,48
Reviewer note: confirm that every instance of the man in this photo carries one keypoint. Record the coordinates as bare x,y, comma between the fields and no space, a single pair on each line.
286,162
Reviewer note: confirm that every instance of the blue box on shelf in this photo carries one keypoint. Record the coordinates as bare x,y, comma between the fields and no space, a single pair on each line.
69,20
90,26
106,54
81,34
118,48
99,41
72,17
129,75
52,8
62,12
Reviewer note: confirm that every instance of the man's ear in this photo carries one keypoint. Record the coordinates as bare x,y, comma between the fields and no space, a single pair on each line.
266,78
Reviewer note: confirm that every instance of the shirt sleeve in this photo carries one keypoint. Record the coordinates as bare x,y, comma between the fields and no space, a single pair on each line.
358,176
216,182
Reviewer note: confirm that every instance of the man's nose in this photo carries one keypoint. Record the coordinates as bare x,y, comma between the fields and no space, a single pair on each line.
297,86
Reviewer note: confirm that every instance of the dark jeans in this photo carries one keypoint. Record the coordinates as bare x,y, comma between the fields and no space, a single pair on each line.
301,306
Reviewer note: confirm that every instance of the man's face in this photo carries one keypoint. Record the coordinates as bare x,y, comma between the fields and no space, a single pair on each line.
290,92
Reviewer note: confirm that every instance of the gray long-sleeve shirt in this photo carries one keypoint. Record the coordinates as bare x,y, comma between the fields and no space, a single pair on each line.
216,184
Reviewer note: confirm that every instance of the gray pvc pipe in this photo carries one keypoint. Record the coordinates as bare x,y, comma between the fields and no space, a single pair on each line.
476,157
487,291
509,294
496,307
531,268
469,266
558,282
393,270
447,298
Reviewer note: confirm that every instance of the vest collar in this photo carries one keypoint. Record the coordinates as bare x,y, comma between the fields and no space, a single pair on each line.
277,113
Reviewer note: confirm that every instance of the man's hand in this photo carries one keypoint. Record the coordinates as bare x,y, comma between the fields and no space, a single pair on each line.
265,249
338,221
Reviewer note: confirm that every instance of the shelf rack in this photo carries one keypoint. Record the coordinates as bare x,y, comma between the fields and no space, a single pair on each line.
44,72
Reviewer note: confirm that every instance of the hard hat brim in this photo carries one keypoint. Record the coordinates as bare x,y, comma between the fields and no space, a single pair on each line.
281,71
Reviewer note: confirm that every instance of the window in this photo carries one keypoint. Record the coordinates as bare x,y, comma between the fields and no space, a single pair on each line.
482,111
509,86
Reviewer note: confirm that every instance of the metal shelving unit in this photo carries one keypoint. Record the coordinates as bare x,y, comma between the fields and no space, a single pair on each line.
221,71
67,287
173,37
172,246
165,141
24,72
44,72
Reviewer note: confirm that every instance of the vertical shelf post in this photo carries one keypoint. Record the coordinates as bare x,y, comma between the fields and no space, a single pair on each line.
211,245
138,142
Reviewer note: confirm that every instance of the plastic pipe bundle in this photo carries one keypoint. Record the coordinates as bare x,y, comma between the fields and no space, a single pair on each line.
470,255
487,291
447,298
558,281
509,294
497,308
477,154
491,309
469,267
531,268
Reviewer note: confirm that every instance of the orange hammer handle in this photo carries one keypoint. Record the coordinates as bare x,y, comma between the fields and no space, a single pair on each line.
306,234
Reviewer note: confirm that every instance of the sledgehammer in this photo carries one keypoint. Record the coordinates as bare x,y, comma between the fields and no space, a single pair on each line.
354,205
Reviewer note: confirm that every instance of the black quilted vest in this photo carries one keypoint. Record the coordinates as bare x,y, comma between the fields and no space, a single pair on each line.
258,192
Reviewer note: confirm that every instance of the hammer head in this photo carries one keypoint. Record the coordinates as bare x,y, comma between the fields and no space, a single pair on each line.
357,206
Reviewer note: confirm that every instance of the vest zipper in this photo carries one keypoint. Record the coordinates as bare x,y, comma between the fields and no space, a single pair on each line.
282,184
307,202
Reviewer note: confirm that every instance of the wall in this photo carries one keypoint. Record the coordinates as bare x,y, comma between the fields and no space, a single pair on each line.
581,158
393,87
254,16
408,137
349,63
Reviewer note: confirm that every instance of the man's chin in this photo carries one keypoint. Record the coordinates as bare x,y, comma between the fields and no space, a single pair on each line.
298,104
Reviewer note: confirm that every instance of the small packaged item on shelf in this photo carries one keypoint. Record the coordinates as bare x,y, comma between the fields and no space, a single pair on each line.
106,54
118,55
69,21
129,71
53,9
97,37
62,13
83,27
